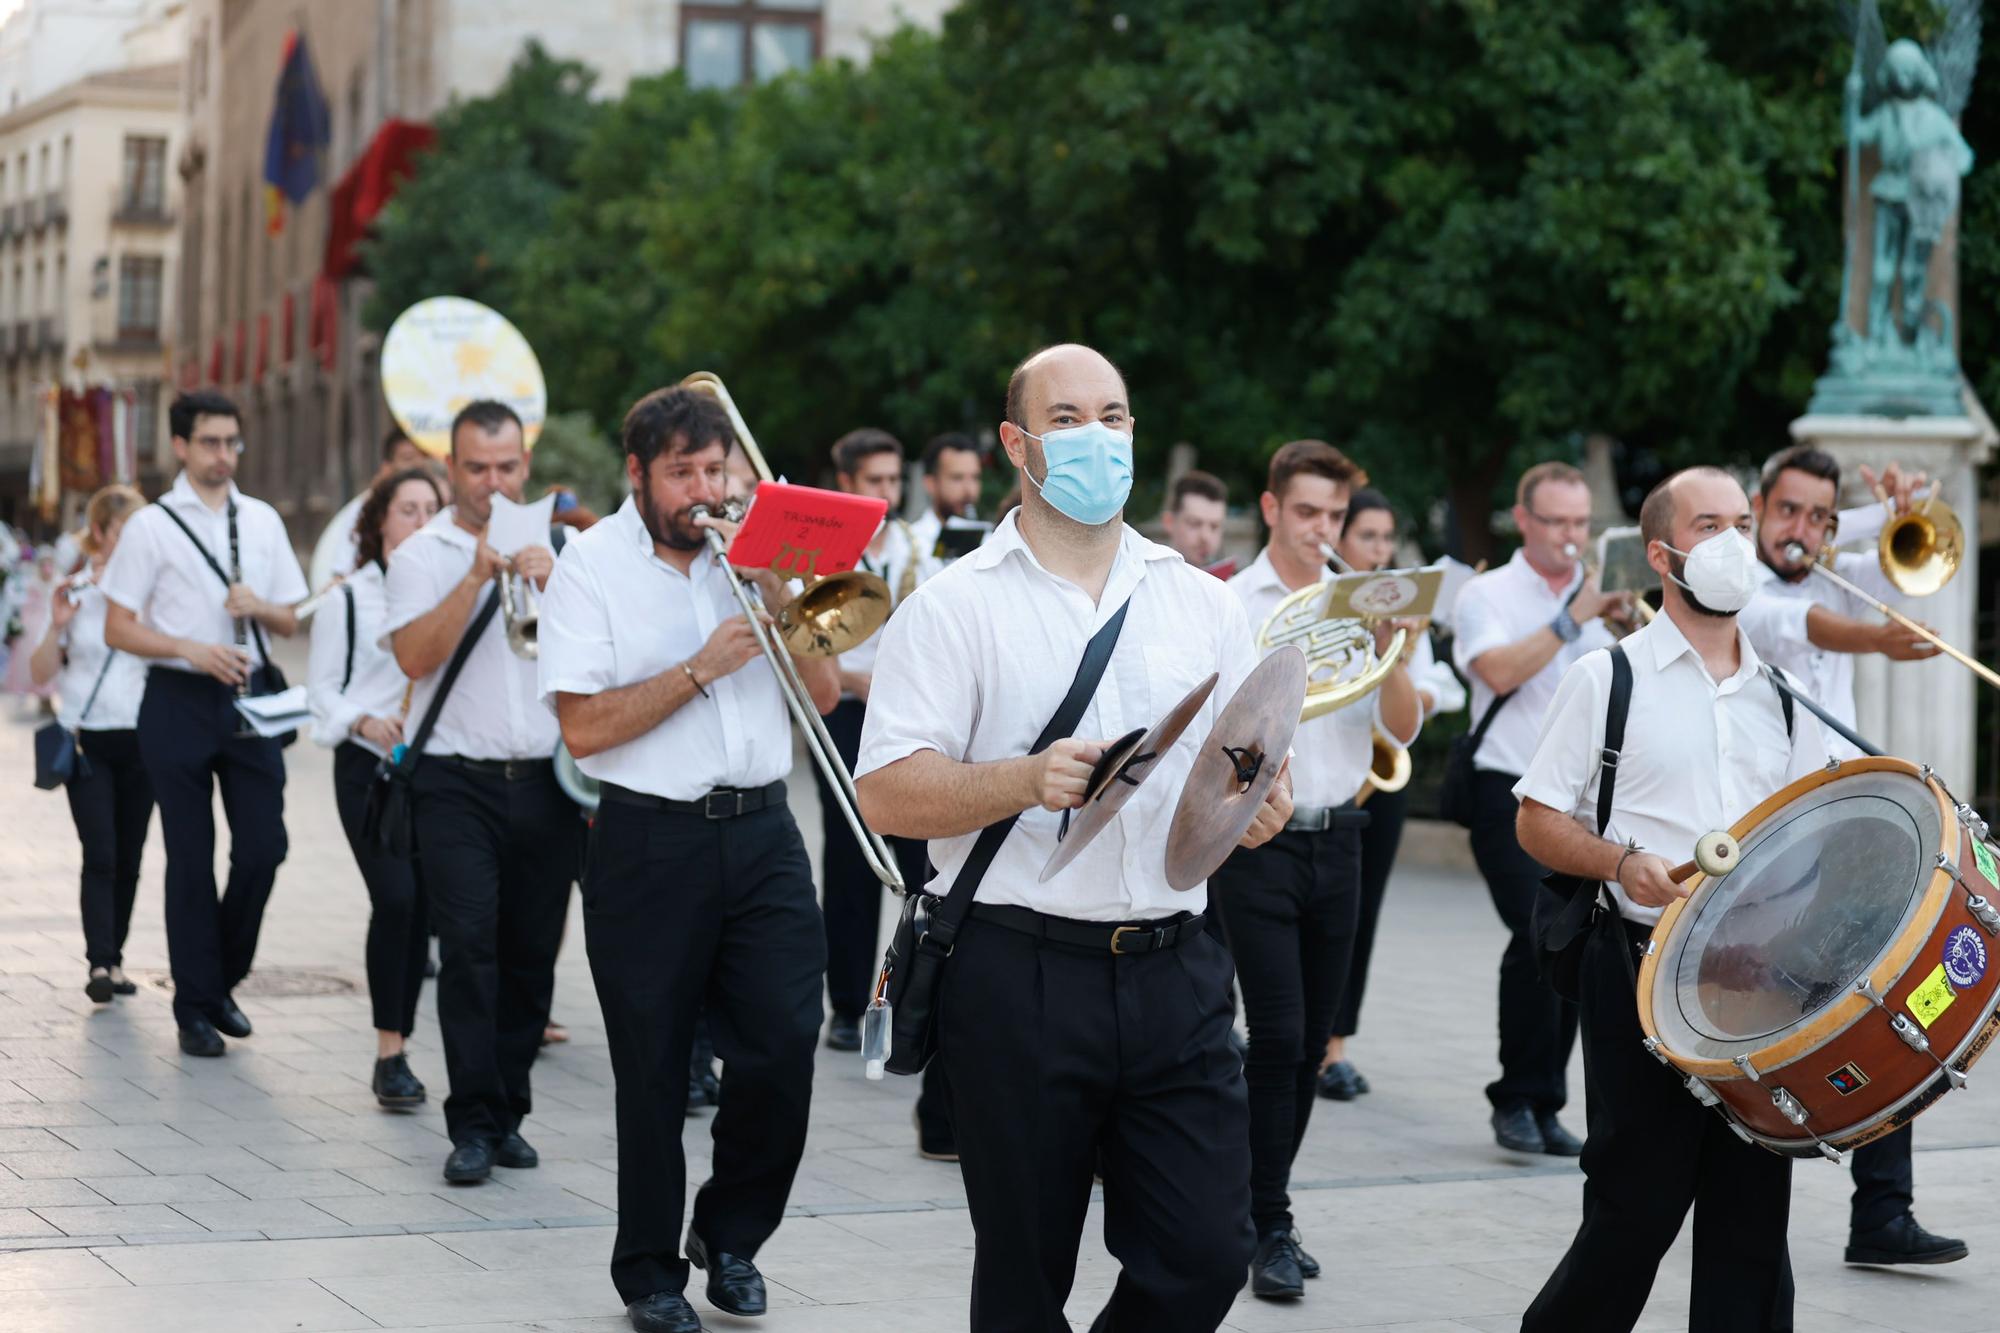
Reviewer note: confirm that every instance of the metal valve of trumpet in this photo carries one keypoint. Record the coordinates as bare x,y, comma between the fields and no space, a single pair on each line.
520,612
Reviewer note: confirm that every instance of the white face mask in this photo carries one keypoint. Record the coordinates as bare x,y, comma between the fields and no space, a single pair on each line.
1721,571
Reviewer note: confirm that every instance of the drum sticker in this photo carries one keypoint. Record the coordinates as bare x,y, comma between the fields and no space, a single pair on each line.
1930,999
1848,1078
1986,865
1964,957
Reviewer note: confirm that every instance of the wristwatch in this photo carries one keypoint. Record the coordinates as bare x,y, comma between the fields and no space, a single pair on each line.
1565,626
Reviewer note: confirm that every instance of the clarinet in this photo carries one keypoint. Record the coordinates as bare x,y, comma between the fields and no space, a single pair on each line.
236,577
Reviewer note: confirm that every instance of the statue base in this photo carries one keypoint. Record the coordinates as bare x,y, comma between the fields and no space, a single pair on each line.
1920,711
1894,394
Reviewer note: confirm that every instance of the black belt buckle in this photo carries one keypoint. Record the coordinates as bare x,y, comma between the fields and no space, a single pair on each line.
722,804
1158,933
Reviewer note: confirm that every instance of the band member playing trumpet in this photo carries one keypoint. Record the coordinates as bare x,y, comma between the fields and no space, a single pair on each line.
1085,1019
698,896
498,843
198,583
1519,627
357,693
1290,908
1367,542
1705,741
1812,628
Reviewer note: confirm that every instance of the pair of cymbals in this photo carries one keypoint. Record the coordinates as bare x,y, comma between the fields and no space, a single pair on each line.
1227,785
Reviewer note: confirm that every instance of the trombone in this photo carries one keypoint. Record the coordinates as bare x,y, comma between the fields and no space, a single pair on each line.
830,615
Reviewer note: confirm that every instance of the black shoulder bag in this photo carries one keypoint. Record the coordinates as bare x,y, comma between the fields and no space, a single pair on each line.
389,819
265,679
913,968
59,756
1455,801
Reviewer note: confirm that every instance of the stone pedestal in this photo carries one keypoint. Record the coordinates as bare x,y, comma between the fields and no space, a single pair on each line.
1920,711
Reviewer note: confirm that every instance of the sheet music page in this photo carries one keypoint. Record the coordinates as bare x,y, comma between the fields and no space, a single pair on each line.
514,527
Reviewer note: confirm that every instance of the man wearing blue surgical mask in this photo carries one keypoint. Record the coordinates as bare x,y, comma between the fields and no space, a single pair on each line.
1085,1019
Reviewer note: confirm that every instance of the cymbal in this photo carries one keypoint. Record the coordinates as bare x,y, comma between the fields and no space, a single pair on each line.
1236,767
1125,765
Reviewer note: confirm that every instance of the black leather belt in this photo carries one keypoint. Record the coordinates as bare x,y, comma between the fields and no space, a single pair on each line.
722,803
1096,936
1320,818
513,770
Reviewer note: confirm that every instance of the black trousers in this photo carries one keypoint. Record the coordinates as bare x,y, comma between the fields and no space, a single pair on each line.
497,858
1884,1182
111,809
398,922
1537,1026
1055,1053
188,740
683,916
1290,909
1379,841
1653,1152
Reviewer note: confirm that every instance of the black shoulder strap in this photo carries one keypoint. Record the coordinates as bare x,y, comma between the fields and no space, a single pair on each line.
256,630
1784,700
95,686
1614,733
347,594
944,921
451,670
1486,719
558,537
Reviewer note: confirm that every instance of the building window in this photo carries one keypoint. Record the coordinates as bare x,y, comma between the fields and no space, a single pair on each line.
139,282
145,184
724,45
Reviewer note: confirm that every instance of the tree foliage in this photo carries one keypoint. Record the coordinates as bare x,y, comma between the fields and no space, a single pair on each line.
1455,234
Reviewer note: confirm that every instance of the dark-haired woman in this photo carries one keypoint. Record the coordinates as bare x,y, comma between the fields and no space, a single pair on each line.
358,696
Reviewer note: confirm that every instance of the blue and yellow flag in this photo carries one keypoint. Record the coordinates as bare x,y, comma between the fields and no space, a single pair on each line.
300,132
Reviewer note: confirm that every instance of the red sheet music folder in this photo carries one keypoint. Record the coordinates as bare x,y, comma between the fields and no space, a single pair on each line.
804,532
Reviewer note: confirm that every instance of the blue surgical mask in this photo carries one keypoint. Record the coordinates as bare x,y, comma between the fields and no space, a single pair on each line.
1089,471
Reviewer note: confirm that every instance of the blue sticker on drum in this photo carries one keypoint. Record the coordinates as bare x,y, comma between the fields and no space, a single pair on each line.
1848,1078
1964,957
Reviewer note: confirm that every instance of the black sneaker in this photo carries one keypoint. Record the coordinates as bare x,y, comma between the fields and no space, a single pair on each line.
1514,1129
1903,1242
1341,1082
1557,1141
122,984
513,1152
99,987
395,1086
1274,1268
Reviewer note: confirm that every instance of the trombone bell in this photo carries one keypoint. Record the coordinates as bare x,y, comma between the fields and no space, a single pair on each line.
833,614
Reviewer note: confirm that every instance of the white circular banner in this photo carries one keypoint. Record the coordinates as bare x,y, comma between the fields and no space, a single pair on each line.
444,352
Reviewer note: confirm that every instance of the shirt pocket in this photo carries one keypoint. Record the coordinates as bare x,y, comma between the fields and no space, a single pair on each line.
1171,672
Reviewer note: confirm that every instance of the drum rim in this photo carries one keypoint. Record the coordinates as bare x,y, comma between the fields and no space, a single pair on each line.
1836,1018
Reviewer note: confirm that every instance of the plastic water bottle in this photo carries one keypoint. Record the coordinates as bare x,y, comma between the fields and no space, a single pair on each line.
875,1036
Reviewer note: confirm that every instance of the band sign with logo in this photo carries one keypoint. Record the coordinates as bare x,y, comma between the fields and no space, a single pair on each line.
1964,957
1931,998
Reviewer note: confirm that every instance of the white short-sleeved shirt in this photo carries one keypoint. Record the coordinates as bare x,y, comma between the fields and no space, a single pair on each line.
84,657
333,553
1330,753
926,528
1698,754
157,574
376,685
592,641
976,663
1504,606
493,710
1775,620
893,565
1435,678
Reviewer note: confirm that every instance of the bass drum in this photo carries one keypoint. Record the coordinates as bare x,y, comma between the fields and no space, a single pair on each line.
1837,982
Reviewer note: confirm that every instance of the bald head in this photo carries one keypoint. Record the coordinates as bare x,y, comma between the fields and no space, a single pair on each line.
1054,377
1691,492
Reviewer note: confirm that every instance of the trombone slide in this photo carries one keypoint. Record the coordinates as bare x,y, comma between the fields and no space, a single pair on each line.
1797,551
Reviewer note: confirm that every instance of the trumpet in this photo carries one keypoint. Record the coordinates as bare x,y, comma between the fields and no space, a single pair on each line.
827,617
520,612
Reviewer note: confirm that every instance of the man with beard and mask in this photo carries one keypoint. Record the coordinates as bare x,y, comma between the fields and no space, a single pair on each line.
497,840
1706,739
1083,1022
697,894
1811,628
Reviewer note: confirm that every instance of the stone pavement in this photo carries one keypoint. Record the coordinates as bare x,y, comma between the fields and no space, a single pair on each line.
266,1191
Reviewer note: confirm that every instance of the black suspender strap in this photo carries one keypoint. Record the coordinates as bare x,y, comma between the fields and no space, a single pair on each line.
1614,733
347,674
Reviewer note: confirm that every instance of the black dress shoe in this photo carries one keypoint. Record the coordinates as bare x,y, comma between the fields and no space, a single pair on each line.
1557,1141
99,987
1514,1129
201,1038
514,1153
934,1142
663,1312
1274,1268
395,1086
843,1034
470,1162
1341,1082
1903,1242
123,985
231,1020
1308,1266
734,1284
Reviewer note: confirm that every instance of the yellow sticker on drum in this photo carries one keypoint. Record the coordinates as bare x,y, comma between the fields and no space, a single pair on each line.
1929,1000
1985,860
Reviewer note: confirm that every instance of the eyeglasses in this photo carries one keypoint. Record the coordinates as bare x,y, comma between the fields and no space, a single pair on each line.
1562,524
219,444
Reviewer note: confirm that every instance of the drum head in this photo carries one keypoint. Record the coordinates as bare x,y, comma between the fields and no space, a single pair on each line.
1826,887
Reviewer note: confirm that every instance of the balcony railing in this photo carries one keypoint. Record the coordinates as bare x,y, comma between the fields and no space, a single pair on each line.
140,210
50,333
55,208
24,337
31,214
6,221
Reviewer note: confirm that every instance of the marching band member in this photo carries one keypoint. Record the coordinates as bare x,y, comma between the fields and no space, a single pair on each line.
1368,541
1197,504
173,600
1518,629
952,465
673,710
1085,1019
1290,908
1705,741
357,690
865,462
100,690
333,554
498,842
1811,628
